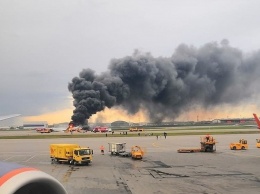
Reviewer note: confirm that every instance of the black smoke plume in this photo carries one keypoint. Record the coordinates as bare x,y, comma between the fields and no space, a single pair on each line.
208,76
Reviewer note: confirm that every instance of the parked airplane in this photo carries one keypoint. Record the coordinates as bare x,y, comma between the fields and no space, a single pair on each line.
257,120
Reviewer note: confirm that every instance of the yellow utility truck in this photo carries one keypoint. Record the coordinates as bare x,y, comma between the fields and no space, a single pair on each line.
70,153
258,143
241,145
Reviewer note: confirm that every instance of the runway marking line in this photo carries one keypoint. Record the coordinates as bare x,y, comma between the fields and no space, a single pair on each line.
155,144
29,158
8,158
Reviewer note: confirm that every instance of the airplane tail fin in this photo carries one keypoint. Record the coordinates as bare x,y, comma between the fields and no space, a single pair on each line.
257,120
67,130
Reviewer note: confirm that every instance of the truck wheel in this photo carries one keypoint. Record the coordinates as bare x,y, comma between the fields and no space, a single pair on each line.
234,148
243,148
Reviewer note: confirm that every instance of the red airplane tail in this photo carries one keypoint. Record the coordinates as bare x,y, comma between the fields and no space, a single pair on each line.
257,120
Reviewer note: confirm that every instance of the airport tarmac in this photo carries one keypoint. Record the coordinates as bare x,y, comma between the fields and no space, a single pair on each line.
162,169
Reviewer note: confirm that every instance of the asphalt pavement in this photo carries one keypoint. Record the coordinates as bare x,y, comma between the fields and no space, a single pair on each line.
162,170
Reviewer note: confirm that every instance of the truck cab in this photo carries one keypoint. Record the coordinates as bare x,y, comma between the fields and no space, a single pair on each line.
241,145
82,156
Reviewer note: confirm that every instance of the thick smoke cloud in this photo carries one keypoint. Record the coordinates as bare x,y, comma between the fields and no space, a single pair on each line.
208,76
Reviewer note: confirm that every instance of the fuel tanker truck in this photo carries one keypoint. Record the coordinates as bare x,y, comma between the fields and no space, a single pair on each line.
18,179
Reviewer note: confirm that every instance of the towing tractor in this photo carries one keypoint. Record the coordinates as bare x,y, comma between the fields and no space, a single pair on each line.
241,145
258,143
137,152
207,144
71,153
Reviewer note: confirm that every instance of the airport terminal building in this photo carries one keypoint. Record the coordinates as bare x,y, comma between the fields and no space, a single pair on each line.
35,124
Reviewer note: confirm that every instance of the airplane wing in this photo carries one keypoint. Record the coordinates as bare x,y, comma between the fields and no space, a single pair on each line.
8,116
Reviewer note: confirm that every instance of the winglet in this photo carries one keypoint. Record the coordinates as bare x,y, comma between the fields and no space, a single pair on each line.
257,120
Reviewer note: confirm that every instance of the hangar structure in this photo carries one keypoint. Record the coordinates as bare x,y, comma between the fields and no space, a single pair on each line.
120,124
9,121
35,124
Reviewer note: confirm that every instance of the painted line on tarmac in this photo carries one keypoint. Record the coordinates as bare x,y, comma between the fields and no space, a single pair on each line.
29,158
155,145
8,158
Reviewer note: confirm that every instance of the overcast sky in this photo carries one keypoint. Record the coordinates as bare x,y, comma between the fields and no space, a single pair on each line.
45,43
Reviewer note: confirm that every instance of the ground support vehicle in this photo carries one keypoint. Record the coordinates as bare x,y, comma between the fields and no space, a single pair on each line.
189,150
241,145
135,129
117,148
258,143
207,144
44,130
137,152
70,153
125,154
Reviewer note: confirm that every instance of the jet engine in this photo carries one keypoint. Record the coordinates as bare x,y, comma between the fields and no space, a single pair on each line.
18,179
